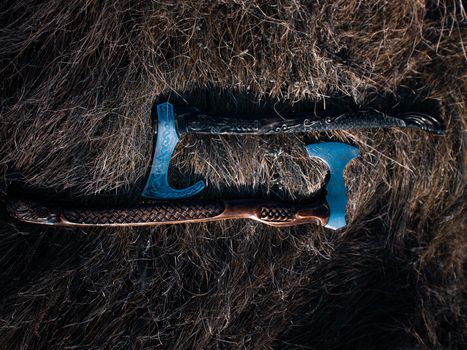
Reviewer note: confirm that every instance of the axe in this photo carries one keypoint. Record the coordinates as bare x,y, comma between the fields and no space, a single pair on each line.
171,123
328,211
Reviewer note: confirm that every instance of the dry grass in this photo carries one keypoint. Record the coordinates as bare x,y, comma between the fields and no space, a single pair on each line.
78,81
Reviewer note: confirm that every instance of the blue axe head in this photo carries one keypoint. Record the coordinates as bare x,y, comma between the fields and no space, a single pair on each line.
157,185
336,156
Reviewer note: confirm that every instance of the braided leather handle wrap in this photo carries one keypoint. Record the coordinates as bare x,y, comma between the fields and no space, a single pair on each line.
160,213
277,213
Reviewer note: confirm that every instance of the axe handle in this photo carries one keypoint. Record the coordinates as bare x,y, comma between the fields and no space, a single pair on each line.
279,214
199,123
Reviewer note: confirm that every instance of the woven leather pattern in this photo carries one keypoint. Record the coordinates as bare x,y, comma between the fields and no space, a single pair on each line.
277,213
160,212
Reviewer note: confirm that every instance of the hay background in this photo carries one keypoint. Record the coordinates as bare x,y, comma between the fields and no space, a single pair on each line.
77,82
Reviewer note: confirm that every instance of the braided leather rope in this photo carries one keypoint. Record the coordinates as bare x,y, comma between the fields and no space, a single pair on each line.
277,213
170,212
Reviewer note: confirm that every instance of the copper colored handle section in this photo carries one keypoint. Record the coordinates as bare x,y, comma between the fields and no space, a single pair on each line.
171,212
279,214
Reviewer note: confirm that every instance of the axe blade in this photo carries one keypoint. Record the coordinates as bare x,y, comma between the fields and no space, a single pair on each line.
157,185
336,156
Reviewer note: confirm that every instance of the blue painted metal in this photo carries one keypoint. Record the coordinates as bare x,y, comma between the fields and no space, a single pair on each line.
336,155
157,185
